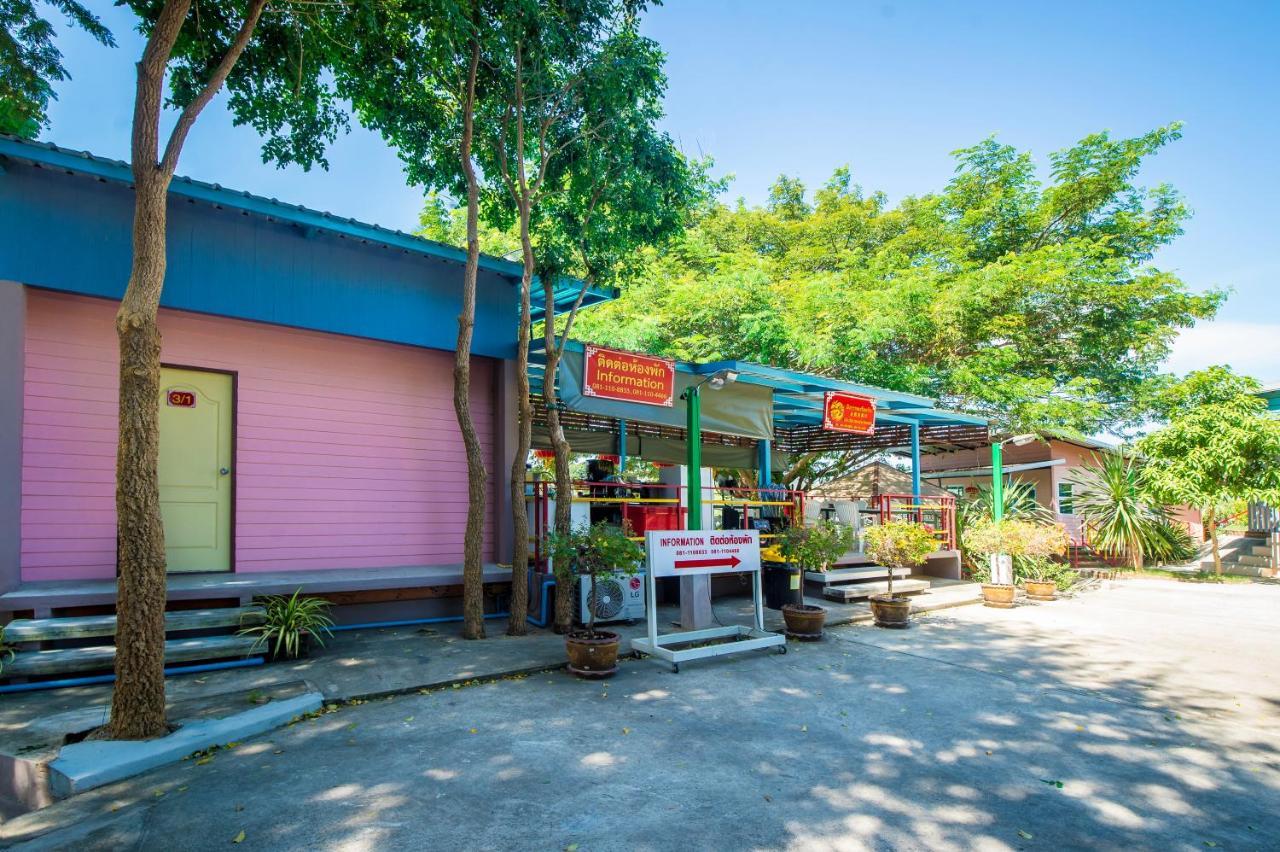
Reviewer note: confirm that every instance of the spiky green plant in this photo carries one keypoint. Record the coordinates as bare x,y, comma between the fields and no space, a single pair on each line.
7,652
1171,544
1019,504
1112,500
288,621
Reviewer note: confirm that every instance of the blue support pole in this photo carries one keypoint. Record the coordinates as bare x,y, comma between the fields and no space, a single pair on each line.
915,463
765,449
918,513
622,449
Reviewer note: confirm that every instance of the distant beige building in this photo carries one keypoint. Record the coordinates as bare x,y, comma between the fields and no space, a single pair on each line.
1047,466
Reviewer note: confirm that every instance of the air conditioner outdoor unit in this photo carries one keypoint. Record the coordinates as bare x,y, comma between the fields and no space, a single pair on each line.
618,597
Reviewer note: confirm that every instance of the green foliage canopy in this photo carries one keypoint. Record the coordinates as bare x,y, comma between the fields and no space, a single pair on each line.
1036,304
1219,446
30,63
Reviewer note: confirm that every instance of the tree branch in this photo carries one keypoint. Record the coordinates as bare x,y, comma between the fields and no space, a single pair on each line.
188,117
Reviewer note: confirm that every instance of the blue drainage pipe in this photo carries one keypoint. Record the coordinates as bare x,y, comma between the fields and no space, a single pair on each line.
541,620
409,622
96,679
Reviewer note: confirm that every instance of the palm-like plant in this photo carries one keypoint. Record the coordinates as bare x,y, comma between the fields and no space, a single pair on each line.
288,622
1019,504
1112,500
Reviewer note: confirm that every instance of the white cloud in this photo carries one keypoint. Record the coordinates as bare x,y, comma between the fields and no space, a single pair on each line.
1252,348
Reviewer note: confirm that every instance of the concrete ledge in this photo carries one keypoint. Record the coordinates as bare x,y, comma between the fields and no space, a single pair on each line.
244,585
85,765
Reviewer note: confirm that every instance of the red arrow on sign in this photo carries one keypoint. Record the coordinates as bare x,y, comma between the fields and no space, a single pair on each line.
724,561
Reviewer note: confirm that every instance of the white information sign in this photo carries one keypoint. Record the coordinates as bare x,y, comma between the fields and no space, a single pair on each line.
677,553
680,553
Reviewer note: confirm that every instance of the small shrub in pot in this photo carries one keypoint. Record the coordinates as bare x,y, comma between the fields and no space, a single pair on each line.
812,548
583,553
897,544
1021,540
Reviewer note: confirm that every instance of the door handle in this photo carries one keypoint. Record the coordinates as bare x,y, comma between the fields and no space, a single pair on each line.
223,471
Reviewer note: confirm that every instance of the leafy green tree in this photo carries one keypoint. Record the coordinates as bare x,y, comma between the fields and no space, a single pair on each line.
1219,446
419,72
1035,303
276,69
30,63
621,185
543,58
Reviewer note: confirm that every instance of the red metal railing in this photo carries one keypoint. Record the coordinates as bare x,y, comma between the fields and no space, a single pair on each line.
935,512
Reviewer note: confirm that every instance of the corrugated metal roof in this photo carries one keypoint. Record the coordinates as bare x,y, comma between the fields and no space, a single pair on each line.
49,155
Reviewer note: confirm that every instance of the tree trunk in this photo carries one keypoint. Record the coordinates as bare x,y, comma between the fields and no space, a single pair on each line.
137,701
1210,523
473,544
518,625
560,443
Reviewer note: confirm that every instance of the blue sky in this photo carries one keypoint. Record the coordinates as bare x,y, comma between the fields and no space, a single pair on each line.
889,89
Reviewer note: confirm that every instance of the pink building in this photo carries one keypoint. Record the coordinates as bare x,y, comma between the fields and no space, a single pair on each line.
308,437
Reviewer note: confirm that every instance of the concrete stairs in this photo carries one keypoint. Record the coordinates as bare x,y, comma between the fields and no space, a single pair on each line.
851,584
47,647
1250,557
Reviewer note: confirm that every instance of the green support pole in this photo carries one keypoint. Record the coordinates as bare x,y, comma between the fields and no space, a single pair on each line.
693,475
997,482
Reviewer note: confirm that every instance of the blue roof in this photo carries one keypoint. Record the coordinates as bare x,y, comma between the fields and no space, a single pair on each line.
799,398
82,162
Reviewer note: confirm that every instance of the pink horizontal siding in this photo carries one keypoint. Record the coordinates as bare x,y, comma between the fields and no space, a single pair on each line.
347,451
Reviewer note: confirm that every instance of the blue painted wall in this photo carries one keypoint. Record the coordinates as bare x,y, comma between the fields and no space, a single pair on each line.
72,232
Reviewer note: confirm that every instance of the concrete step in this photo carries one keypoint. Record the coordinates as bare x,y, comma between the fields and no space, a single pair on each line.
858,591
1237,569
90,626
1248,559
853,575
1260,550
68,660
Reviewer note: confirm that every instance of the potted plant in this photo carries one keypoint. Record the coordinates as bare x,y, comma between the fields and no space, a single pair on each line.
811,549
584,552
897,544
1039,577
291,625
1017,540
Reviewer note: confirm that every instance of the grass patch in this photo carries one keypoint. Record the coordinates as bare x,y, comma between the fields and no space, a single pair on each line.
1192,576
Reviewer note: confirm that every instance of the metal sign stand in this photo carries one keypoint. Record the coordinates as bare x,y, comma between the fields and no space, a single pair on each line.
746,638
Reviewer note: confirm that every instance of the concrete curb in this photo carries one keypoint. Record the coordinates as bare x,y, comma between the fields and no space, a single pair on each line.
92,763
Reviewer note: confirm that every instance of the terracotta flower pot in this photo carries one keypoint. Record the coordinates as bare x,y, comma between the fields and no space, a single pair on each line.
594,657
1041,590
998,595
891,611
804,621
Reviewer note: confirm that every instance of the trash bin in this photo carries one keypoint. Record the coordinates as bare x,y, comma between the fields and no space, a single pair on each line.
783,584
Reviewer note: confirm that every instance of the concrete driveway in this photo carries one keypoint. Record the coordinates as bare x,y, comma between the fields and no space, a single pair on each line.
1144,716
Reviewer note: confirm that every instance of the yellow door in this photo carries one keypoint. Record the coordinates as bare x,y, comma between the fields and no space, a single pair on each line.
195,469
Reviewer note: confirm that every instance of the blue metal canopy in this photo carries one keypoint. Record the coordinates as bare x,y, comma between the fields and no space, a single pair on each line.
799,398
